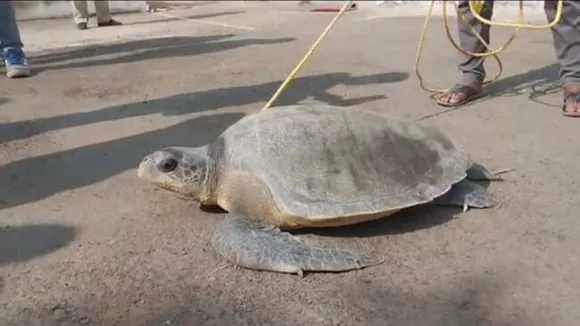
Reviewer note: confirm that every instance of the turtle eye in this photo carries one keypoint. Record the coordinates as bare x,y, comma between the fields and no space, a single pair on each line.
168,165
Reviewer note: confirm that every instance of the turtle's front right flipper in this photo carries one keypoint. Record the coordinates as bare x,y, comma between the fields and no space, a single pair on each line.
255,244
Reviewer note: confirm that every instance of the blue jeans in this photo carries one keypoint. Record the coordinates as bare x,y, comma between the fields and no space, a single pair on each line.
9,32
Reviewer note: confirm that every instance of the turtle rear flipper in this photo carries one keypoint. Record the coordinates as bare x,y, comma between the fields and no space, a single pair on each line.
478,172
257,245
467,193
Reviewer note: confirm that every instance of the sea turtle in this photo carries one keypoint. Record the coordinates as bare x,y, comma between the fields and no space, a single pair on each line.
314,166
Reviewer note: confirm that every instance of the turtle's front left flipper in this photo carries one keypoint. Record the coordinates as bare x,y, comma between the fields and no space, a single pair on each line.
255,244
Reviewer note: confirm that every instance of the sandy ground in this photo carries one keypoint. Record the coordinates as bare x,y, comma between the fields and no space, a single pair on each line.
83,241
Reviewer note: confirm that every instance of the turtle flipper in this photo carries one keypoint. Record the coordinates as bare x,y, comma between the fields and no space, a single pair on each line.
478,172
467,193
255,244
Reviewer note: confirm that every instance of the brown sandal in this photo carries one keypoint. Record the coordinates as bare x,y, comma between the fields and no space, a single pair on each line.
575,97
471,93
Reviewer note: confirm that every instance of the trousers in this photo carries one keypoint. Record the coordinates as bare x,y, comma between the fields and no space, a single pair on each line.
566,37
81,11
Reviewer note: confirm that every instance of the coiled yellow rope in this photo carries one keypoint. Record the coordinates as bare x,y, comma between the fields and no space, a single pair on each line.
475,8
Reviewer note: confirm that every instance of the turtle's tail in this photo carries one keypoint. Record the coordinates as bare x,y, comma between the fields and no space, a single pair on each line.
256,245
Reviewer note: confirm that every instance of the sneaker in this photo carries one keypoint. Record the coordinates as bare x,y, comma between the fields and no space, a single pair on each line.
111,22
16,63
82,26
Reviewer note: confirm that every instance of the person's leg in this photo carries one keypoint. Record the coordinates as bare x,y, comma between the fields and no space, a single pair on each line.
566,35
104,14
472,71
80,13
11,44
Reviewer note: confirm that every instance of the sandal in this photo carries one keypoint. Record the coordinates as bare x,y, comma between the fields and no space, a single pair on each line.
572,97
471,93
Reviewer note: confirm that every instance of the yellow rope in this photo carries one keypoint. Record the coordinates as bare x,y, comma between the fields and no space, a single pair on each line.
520,23
308,54
476,7
490,52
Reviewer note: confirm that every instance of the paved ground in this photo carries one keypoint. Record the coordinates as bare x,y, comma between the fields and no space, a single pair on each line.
84,242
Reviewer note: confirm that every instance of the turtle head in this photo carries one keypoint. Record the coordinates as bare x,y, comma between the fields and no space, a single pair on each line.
182,170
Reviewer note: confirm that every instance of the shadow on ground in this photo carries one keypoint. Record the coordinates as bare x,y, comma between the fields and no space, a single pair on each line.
521,83
470,302
140,50
89,164
334,300
542,81
21,243
316,86
34,177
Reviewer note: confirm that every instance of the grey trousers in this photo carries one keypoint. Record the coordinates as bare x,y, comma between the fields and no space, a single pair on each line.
81,11
566,35
9,32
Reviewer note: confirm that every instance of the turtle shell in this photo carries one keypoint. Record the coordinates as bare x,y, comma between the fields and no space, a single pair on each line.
325,162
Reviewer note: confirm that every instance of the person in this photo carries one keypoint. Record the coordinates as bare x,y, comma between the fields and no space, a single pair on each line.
81,14
11,45
566,39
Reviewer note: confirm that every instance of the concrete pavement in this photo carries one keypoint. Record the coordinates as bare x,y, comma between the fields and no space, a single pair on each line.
83,241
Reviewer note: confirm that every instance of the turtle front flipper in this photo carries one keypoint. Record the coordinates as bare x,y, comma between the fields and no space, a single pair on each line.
257,245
